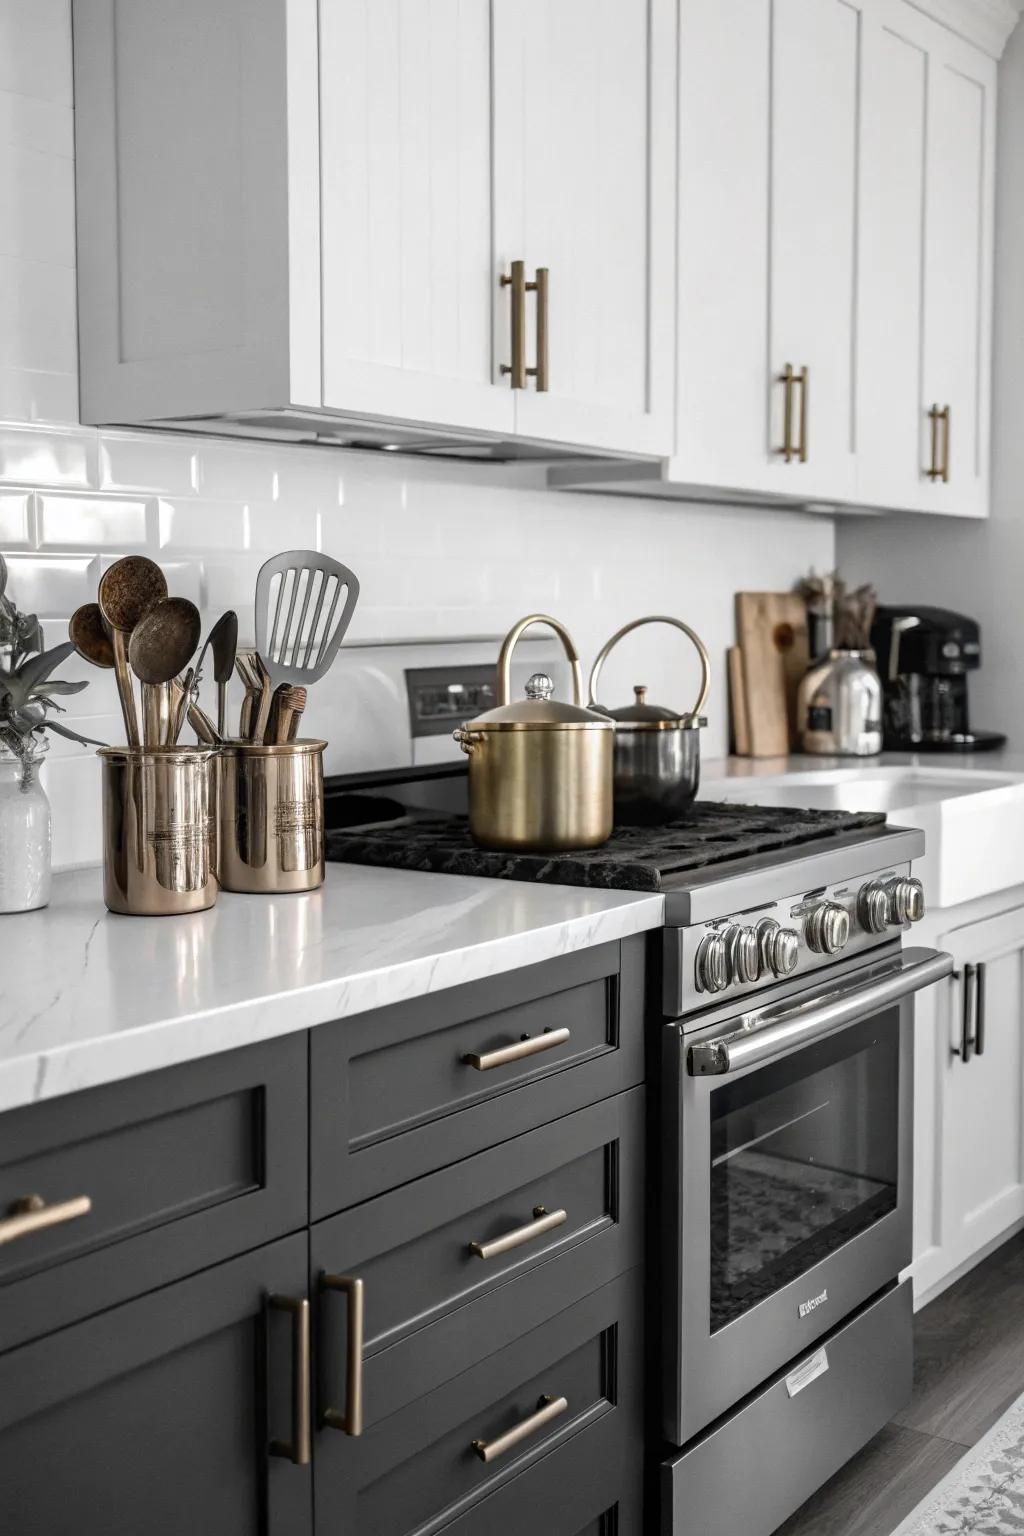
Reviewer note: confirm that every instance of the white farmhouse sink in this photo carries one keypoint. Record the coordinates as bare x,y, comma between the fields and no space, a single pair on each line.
973,819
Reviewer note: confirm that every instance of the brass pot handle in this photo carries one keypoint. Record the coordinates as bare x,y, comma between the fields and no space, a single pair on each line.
543,1221
548,1408
299,1448
32,1214
655,618
510,642
349,1421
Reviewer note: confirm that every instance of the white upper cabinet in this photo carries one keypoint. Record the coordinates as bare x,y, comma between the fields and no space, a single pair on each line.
768,230
296,214
929,154
584,124
408,261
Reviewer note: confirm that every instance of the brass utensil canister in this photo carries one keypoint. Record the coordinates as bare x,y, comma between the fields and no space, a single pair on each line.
540,771
159,830
271,810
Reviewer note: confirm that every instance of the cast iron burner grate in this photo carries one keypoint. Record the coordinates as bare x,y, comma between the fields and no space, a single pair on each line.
633,859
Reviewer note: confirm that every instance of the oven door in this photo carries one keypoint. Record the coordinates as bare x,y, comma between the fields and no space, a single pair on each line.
788,1185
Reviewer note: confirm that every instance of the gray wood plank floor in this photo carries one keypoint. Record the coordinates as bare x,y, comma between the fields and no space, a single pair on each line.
968,1369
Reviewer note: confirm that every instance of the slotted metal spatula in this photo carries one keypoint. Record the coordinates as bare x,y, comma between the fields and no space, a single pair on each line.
304,604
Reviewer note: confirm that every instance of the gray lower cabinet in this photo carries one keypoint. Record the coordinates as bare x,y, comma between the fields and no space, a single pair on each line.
159,1415
500,1439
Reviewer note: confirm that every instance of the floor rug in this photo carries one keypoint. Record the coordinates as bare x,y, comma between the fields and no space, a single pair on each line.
983,1495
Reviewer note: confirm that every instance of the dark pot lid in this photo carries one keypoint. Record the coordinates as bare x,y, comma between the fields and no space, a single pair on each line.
653,717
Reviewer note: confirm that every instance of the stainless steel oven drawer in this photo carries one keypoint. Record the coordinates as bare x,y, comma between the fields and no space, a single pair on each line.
750,1471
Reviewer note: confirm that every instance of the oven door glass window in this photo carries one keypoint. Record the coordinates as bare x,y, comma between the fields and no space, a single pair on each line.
804,1156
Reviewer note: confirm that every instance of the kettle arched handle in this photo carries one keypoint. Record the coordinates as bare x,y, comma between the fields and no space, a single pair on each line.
655,618
510,642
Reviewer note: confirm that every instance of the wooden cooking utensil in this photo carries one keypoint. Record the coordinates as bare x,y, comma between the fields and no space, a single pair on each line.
161,646
288,703
90,636
127,590
772,631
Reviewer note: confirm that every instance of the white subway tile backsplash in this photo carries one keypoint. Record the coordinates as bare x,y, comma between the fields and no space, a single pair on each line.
17,529
240,473
92,522
50,585
202,525
54,458
275,525
128,461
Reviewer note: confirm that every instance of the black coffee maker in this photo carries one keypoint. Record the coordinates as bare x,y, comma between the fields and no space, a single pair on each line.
924,656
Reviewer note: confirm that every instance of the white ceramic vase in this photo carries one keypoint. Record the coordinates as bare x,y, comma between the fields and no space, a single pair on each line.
25,836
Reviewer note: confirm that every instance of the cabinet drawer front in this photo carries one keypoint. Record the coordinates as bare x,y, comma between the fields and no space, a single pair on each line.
433,1307
156,1416
178,1170
412,1088
420,1468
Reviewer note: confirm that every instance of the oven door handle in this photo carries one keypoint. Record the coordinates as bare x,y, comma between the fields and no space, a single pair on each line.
777,1031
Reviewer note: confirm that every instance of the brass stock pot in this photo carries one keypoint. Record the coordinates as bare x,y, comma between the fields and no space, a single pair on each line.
540,770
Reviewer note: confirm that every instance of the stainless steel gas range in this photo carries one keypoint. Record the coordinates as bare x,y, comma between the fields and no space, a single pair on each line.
787,1135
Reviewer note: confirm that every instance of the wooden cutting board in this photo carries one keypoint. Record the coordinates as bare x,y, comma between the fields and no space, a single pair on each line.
738,703
771,629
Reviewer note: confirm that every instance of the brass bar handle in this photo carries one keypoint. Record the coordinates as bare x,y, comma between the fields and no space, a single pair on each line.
300,1447
32,1214
543,1221
802,379
939,467
515,279
531,1046
541,286
787,378
945,446
548,1408
350,1420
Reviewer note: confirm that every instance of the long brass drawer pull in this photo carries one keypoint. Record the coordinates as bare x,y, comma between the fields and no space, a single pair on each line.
299,1448
518,1052
515,279
803,379
547,1409
541,287
32,1214
543,1221
787,379
939,467
349,1421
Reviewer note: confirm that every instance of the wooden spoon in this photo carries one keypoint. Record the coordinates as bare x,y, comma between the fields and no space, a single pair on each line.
90,635
164,639
127,590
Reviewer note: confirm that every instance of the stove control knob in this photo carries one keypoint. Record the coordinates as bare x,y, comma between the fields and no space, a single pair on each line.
742,955
780,947
711,972
828,928
906,901
873,907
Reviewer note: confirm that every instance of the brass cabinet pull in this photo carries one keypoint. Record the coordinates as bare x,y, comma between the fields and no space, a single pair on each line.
518,1052
548,1408
32,1214
299,1448
543,1221
939,467
541,287
516,280
790,380
349,1422
802,379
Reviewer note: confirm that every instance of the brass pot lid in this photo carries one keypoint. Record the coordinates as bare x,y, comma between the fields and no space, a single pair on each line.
539,711
641,716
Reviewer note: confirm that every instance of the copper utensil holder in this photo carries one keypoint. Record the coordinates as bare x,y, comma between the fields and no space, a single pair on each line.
159,830
271,809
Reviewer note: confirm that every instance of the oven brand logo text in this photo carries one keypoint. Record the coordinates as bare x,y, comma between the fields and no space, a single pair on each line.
807,1307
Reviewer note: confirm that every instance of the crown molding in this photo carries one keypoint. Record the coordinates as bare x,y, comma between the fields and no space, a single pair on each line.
985,23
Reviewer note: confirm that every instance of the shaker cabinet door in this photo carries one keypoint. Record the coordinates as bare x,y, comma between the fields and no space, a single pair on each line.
926,261
768,219
162,1415
409,278
584,122
815,75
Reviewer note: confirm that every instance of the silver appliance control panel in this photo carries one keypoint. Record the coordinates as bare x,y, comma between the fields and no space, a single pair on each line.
749,950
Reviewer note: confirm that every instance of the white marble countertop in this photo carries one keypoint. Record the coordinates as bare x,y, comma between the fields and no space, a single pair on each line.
87,998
